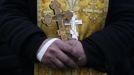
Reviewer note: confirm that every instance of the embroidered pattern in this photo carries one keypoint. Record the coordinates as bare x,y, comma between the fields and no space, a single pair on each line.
91,12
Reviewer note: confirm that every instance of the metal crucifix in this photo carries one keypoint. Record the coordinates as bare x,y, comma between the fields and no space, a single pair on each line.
60,17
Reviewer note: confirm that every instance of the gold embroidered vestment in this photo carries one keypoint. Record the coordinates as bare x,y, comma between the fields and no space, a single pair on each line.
91,12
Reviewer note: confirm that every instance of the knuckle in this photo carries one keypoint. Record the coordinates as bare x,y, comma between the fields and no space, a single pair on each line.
57,42
72,51
48,57
69,49
52,50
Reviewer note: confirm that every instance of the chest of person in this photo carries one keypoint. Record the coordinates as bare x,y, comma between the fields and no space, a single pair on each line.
88,17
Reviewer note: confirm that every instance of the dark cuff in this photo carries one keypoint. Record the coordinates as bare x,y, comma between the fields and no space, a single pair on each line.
31,44
95,58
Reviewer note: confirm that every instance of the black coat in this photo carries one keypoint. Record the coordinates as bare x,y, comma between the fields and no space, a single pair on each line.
110,49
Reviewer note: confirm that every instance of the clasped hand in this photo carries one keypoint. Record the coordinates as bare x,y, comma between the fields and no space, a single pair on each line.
65,54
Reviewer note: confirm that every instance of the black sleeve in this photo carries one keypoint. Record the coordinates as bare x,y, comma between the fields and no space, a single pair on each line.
112,48
18,30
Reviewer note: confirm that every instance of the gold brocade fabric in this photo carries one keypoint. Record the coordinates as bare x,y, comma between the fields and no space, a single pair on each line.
91,12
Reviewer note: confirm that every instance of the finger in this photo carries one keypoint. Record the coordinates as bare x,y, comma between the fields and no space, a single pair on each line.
53,62
58,63
51,65
54,51
48,62
70,52
67,49
66,59
63,46
75,47
82,61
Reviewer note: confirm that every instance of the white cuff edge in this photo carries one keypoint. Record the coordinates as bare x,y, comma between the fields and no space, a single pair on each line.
44,48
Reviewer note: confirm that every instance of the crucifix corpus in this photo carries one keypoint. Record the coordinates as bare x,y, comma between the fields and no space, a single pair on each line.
73,23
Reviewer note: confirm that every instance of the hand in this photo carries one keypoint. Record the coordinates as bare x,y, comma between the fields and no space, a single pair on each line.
77,52
56,55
